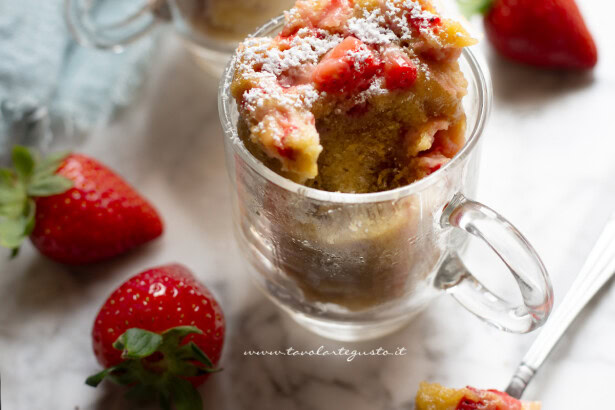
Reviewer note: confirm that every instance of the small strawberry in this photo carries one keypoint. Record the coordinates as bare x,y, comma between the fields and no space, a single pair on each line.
74,209
399,71
348,67
543,33
160,333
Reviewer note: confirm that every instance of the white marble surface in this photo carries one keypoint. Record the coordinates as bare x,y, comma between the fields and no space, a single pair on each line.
547,165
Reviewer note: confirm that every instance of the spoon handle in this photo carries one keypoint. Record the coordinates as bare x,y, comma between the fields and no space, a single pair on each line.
598,269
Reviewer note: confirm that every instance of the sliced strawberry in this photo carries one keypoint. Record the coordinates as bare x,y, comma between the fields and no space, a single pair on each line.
349,67
468,404
432,161
488,400
288,128
510,403
326,14
399,71
424,21
335,14
472,403
445,144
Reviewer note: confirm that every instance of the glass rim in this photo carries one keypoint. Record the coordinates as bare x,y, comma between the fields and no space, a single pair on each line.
485,95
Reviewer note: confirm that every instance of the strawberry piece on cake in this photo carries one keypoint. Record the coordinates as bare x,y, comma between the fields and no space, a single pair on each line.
437,397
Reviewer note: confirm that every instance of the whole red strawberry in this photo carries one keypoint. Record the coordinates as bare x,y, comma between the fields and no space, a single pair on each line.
161,333
74,209
543,33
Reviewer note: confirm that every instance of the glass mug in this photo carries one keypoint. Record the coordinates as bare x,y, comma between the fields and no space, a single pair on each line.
358,266
213,27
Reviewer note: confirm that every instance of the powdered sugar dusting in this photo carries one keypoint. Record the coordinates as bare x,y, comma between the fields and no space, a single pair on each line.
304,48
402,13
376,26
263,61
423,18
376,88
371,28
299,97
360,56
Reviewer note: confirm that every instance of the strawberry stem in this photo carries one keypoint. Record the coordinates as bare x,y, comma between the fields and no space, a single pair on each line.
157,365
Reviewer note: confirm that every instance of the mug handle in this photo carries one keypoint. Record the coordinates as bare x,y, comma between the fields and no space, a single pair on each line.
79,16
517,254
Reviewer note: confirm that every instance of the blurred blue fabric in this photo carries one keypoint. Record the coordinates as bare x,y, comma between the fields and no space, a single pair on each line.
48,82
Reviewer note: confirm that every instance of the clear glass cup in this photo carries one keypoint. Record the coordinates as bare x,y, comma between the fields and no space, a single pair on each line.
212,27
359,266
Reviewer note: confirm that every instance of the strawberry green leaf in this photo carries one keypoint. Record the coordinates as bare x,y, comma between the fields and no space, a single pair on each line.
7,178
175,335
200,355
49,185
17,224
50,164
189,354
11,209
137,343
472,7
183,368
11,193
23,161
12,201
97,378
13,232
184,395
127,373
30,217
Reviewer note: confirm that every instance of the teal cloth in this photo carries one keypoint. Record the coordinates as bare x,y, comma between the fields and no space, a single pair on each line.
51,87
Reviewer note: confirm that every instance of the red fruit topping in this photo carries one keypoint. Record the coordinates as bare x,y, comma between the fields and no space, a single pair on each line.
469,404
420,22
432,161
399,71
487,401
288,128
349,67
329,15
510,402
335,14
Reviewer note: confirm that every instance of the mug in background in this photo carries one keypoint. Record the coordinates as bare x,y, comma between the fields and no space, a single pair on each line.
213,27
358,266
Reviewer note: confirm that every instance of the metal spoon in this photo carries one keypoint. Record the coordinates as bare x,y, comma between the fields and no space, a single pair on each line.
598,269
